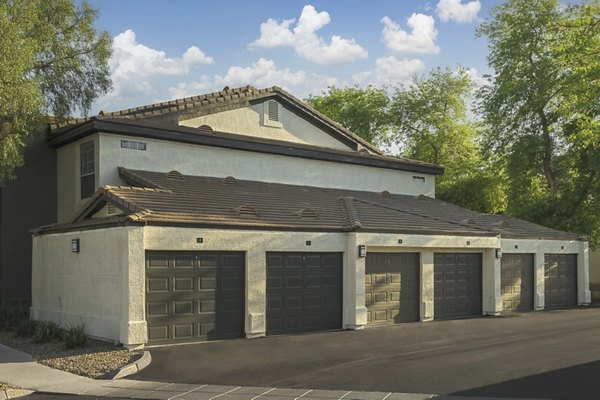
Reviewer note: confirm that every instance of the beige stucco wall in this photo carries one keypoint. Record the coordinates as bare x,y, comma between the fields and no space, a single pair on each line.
541,247
96,286
104,284
595,267
250,121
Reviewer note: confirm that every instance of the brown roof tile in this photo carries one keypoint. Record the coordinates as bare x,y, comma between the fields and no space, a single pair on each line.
207,202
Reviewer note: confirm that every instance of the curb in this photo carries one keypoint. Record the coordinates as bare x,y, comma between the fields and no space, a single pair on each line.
13,393
134,367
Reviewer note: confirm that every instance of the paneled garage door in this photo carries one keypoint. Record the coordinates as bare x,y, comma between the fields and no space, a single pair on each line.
304,292
517,282
194,296
457,285
560,280
392,288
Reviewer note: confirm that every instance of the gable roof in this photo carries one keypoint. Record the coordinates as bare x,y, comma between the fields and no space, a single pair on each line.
226,99
175,199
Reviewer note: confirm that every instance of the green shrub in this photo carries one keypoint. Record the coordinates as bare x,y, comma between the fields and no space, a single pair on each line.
26,328
12,314
46,331
75,337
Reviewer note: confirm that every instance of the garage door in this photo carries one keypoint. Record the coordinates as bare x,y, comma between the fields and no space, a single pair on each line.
560,280
392,288
517,282
194,296
457,285
304,292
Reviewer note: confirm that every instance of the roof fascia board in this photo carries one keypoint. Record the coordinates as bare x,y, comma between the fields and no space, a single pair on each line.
113,127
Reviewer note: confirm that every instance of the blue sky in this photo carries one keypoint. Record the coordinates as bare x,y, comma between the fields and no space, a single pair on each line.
164,50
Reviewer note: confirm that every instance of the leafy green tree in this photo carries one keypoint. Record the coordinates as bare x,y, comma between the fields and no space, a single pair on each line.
431,119
362,111
52,61
542,107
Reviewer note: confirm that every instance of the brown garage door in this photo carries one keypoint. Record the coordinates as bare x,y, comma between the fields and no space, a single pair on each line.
304,292
560,280
392,288
457,285
194,296
517,282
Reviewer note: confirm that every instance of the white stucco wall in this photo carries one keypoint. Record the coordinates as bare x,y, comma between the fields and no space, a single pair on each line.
95,286
541,247
250,121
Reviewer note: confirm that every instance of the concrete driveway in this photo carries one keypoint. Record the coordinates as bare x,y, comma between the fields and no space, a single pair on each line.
550,354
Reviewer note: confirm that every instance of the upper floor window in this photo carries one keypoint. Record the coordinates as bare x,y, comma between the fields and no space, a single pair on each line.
87,169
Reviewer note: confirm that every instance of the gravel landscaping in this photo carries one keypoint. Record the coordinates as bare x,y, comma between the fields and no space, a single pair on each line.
97,359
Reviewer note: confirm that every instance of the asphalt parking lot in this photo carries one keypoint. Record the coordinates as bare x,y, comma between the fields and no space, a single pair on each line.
550,354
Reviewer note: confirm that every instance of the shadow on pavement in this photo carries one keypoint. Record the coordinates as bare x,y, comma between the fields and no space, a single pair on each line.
581,382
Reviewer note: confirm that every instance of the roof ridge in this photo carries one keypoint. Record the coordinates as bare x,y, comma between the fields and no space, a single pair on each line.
351,213
128,173
424,216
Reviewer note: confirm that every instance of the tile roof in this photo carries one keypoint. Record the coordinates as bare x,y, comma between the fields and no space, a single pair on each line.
170,198
214,102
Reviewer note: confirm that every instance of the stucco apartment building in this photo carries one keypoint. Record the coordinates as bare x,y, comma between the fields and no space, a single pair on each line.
246,213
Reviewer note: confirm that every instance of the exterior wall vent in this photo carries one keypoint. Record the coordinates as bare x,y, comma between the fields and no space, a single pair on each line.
307,213
272,114
111,209
246,211
205,129
230,180
385,193
416,178
273,110
175,176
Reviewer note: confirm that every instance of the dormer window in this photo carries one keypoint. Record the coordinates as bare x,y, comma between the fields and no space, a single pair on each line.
272,114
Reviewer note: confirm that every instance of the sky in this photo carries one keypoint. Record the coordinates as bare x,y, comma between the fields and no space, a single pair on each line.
164,50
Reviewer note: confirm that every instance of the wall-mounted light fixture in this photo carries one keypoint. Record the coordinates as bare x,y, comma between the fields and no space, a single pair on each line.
468,242
199,240
308,243
75,245
399,241
498,253
362,250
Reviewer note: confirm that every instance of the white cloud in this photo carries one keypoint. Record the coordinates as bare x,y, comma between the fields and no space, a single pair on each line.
362,77
454,10
131,59
391,70
306,42
262,73
134,68
421,39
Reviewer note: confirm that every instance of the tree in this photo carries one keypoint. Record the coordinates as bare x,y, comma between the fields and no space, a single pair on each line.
431,119
52,60
362,111
542,107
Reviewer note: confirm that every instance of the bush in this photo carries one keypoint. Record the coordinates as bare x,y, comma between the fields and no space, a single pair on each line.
46,331
75,337
26,328
12,314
